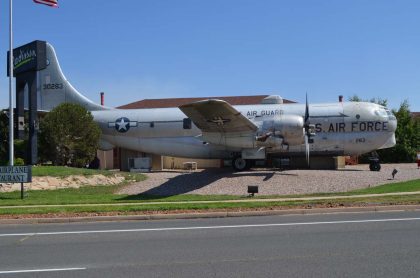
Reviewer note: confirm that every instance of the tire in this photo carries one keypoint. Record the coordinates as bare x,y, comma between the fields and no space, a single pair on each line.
239,164
375,167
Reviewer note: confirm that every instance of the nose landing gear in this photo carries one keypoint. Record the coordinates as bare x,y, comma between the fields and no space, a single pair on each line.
374,164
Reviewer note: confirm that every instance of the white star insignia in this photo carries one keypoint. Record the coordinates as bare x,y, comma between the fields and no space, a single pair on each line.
122,125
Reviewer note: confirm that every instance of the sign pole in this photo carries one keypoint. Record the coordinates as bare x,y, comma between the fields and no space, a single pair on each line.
11,120
22,191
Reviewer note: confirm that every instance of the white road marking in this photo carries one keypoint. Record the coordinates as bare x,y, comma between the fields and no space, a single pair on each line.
211,227
41,270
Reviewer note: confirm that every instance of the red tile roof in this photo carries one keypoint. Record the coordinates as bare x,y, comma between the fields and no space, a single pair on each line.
175,102
415,115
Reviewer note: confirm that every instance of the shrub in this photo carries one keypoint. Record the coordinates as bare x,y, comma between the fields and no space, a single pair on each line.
68,136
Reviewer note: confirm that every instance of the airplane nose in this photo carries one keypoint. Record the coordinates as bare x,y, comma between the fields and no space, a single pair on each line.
392,125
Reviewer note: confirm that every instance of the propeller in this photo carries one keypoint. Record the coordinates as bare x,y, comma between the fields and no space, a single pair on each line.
306,111
308,130
307,149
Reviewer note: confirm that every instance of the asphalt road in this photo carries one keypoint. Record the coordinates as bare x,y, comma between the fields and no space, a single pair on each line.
334,245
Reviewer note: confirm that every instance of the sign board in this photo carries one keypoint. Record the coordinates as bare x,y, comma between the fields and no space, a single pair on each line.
15,174
29,57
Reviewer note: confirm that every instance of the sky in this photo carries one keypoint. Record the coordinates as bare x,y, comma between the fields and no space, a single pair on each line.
137,49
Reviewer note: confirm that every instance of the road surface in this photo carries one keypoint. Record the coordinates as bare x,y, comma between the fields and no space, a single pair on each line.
329,245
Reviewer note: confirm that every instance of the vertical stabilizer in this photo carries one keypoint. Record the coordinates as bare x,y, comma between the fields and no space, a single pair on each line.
55,89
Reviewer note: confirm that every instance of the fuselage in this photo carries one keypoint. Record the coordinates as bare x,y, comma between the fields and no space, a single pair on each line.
349,128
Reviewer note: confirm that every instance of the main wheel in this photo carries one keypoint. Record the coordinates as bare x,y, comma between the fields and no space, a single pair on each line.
375,166
239,164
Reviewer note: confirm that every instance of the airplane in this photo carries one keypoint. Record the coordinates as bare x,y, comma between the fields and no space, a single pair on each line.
215,129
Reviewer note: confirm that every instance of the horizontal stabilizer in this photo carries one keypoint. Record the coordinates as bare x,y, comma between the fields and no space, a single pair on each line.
215,115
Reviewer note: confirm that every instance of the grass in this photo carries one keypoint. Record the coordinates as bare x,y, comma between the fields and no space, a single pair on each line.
93,195
130,209
83,195
106,195
59,171
408,186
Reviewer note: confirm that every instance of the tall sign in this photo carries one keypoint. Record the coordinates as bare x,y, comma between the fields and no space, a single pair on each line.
29,57
27,60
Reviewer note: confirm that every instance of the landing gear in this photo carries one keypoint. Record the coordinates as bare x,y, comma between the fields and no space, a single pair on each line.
374,164
240,164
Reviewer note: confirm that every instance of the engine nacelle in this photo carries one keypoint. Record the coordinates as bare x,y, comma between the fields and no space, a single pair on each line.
276,133
289,128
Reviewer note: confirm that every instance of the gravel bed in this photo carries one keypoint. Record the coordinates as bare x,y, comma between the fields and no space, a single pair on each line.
270,182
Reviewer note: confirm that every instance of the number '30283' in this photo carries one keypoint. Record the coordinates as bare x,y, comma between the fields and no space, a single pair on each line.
53,86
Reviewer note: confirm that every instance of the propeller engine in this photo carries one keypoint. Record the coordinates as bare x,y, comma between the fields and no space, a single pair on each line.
281,131
287,130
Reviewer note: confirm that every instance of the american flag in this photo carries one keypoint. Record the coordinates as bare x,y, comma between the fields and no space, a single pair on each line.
51,3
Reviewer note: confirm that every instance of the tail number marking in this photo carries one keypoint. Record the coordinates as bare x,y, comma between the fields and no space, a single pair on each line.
53,86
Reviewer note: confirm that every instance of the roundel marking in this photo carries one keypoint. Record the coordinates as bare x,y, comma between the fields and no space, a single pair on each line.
122,124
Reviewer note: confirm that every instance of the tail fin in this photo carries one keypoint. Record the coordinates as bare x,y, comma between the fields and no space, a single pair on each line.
56,89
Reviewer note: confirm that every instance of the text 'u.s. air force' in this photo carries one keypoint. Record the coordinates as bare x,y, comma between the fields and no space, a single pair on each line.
369,126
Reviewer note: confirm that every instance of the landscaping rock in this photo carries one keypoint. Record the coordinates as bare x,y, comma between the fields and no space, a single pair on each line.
50,183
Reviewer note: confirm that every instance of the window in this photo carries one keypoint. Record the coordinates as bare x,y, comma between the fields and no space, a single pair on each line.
152,124
187,123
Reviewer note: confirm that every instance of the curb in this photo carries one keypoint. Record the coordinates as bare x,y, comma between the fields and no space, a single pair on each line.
222,214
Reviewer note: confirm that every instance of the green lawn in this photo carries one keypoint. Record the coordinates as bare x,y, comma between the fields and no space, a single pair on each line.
59,171
408,186
93,195
129,209
105,195
83,195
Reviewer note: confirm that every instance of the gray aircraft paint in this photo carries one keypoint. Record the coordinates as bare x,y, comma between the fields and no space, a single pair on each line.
56,89
348,128
340,134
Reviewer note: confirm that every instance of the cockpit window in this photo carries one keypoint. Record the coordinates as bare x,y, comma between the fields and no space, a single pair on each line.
381,113
390,114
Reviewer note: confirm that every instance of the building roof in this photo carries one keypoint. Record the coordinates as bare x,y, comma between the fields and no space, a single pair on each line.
415,115
176,102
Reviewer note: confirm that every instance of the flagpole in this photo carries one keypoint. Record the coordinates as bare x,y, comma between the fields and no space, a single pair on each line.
11,121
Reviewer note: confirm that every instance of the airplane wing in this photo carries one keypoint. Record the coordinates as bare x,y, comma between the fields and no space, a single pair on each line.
215,115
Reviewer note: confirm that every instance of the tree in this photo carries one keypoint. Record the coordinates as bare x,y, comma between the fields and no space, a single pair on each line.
20,146
407,136
380,101
355,98
4,138
68,136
